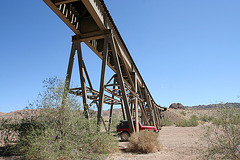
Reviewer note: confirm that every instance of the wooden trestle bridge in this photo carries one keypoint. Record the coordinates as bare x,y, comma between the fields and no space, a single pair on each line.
92,23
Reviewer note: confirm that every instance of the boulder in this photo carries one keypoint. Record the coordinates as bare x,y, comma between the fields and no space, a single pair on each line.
176,106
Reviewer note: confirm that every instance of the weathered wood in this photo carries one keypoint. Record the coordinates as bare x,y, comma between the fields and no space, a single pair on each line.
89,82
82,79
92,35
120,81
62,16
136,101
87,75
155,115
103,74
95,11
149,105
58,2
143,112
125,66
69,75
104,124
107,84
111,111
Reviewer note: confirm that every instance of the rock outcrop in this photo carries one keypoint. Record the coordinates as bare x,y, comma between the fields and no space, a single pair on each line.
176,106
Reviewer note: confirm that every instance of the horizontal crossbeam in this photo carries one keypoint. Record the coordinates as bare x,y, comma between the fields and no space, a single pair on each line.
91,36
58,2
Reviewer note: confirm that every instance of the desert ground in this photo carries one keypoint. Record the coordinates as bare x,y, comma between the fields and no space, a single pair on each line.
177,143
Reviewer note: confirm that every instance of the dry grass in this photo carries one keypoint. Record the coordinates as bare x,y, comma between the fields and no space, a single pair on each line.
144,142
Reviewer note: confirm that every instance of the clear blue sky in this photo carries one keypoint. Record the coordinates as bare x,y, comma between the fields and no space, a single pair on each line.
187,51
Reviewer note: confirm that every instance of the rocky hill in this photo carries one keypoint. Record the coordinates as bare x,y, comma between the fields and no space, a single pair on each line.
210,106
19,113
27,112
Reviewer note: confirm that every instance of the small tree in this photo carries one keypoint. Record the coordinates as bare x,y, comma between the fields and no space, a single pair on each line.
60,132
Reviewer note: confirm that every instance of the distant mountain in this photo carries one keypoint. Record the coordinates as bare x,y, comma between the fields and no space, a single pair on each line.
220,105
19,113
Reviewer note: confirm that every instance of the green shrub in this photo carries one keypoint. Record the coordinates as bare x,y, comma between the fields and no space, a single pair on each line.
115,121
206,118
223,136
183,113
60,132
192,122
166,122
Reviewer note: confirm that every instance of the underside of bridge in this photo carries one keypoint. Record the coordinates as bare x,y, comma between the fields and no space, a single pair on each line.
92,23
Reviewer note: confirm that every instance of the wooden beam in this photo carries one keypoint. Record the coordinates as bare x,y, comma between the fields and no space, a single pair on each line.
136,102
155,114
107,84
120,81
102,82
111,111
69,75
95,11
125,66
92,35
58,2
82,79
143,112
61,16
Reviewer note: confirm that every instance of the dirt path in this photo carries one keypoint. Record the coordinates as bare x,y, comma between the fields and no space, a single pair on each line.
178,143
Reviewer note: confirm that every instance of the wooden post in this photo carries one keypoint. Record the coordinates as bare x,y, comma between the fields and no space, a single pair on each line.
131,107
90,84
123,111
159,118
136,101
111,110
82,79
121,83
143,112
155,114
102,82
69,75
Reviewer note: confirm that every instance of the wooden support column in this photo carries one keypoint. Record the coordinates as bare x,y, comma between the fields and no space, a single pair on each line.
102,82
82,79
88,78
90,84
136,101
143,113
136,114
121,83
111,110
69,75
123,111
150,106
159,118
131,107
154,113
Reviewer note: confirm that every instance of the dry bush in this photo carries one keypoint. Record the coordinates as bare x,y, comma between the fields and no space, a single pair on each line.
223,135
58,131
144,142
192,122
